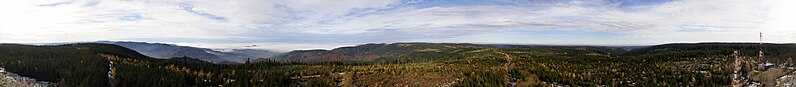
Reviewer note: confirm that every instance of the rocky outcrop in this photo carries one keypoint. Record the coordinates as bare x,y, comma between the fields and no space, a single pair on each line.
8,79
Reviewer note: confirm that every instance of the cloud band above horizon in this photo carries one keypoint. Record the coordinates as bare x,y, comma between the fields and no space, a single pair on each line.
325,24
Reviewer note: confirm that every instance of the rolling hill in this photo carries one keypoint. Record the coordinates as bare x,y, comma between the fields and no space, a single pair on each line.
394,64
68,65
775,53
424,52
165,51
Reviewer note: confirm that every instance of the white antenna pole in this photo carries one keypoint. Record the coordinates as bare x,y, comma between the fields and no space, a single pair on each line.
760,48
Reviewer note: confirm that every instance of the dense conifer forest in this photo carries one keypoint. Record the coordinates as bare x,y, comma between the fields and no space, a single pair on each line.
397,64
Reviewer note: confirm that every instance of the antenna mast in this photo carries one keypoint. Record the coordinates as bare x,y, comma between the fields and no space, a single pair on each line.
760,49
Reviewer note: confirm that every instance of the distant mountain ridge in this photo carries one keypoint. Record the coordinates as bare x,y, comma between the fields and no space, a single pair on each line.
774,52
424,52
381,53
165,51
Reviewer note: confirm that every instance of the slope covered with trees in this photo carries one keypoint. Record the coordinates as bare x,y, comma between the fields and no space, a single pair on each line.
397,64
68,65
774,53
383,53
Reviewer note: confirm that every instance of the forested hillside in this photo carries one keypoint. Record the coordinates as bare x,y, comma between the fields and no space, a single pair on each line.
68,65
774,53
396,64
425,52
99,65
383,53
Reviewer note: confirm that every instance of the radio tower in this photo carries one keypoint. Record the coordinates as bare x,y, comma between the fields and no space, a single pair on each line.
760,49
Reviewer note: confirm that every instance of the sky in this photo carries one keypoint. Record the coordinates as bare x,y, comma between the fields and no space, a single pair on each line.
285,25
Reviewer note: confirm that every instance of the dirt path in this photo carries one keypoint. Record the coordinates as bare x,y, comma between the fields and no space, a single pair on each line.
507,76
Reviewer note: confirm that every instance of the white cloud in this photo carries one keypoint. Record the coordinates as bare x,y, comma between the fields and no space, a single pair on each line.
317,23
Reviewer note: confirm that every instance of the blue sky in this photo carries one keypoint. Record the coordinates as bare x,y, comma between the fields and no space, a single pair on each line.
312,24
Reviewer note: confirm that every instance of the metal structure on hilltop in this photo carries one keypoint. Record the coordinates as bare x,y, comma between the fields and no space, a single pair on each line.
761,64
760,50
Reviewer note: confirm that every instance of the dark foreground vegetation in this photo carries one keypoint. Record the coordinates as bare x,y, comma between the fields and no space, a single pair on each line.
398,64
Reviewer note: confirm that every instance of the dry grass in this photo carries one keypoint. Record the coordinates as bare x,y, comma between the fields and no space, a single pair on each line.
769,77
429,50
404,79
